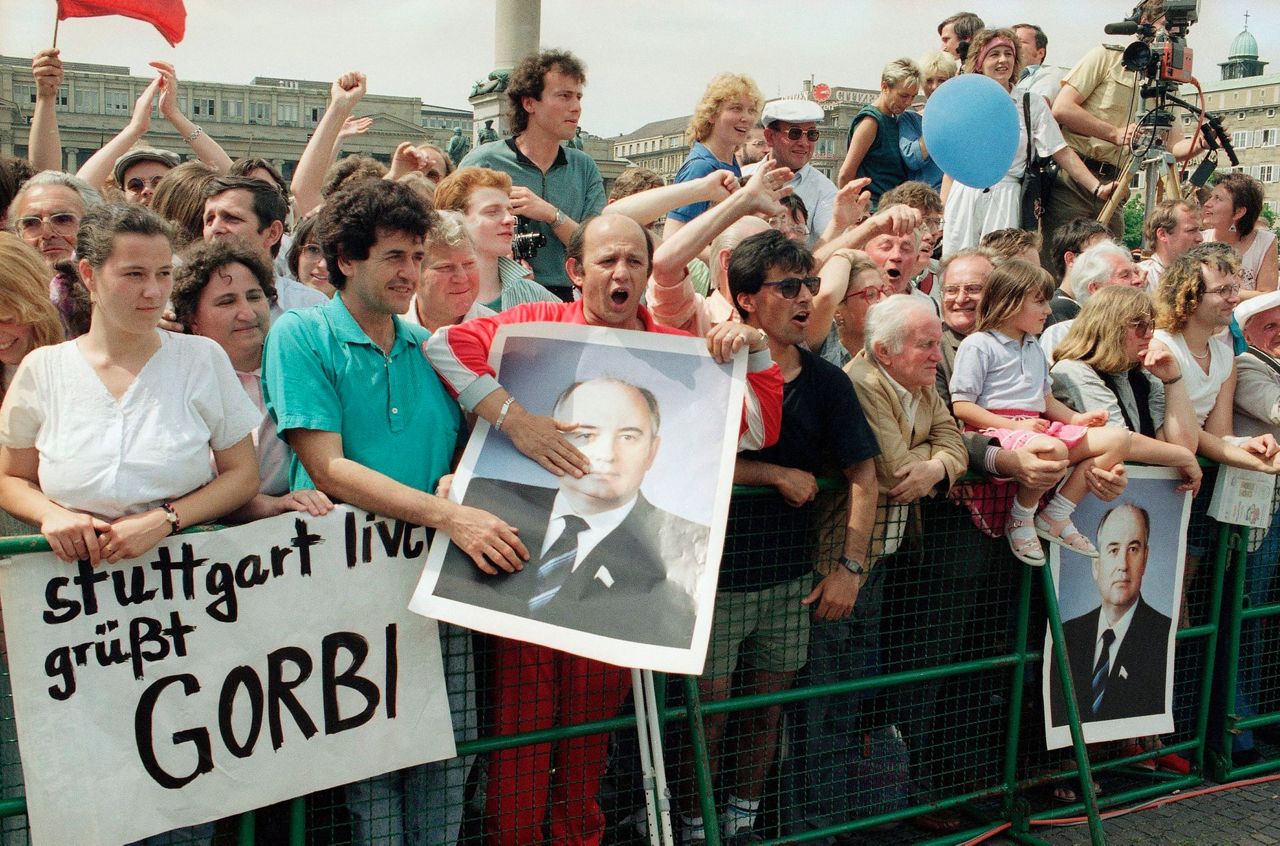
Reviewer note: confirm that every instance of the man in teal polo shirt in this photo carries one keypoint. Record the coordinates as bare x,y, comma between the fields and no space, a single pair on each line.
555,186
371,425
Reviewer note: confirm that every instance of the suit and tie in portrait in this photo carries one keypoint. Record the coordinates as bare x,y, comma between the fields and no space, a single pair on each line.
1117,652
603,559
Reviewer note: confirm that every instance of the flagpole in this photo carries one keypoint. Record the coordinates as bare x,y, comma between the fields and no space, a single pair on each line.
56,21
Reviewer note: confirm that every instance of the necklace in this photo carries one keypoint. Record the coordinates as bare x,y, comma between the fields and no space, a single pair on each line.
1198,355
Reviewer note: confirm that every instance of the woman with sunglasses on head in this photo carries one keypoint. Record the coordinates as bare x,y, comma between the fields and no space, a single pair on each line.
1106,362
973,212
105,440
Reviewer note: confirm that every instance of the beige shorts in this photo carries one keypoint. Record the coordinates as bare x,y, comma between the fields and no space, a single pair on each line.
764,629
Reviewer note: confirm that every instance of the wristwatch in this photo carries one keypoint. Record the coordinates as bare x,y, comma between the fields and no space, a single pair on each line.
172,517
560,218
852,566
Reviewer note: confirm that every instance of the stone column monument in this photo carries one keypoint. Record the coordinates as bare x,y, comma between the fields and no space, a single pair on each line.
517,28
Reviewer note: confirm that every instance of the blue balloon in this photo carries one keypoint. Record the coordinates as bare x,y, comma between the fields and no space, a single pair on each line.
971,129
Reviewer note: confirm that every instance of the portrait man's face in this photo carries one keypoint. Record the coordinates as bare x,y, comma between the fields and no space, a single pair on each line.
1122,558
615,431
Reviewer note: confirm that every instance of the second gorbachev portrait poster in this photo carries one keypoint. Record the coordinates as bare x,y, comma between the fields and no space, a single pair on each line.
1120,611
623,561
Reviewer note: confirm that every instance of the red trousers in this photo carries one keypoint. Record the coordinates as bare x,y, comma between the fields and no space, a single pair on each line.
537,688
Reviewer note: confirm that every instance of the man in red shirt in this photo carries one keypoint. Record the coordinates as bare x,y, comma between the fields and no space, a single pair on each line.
609,260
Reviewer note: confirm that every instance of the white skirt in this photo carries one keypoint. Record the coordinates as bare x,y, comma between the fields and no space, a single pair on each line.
972,212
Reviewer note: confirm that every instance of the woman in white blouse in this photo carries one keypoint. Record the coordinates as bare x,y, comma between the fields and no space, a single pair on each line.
104,440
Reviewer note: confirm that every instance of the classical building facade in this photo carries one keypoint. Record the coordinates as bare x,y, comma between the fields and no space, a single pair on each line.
1248,102
270,117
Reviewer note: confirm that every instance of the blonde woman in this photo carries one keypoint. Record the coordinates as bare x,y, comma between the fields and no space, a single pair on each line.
935,69
1106,362
27,319
723,118
873,134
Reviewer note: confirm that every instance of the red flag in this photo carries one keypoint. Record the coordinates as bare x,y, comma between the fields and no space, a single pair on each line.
168,16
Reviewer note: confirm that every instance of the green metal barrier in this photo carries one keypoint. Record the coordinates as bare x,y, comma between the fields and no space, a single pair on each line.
1250,689
957,651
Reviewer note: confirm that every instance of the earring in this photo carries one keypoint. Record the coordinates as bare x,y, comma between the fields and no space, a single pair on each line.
1231,228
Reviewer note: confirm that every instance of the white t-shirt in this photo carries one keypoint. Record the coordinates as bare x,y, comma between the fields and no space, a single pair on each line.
1202,387
114,457
291,294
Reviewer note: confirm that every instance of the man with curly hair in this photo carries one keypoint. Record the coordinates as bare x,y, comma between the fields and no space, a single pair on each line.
371,425
555,187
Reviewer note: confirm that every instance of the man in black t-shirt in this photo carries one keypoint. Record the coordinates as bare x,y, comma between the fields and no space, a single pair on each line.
767,584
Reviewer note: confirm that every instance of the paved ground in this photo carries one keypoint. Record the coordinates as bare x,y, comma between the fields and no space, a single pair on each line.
1235,816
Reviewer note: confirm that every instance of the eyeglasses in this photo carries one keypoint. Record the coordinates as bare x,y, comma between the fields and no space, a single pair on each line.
62,223
795,133
1142,325
137,184
868,294
790,287
1226,291
313,250
954,290
784,224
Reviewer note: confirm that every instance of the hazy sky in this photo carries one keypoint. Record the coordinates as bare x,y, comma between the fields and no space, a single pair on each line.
645,60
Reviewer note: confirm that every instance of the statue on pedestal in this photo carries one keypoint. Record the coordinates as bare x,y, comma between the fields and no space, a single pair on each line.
488,133
458,146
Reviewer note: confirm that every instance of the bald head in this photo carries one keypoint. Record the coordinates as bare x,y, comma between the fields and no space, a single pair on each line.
724,244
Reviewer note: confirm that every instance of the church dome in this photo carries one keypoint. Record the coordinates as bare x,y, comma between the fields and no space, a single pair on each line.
1244,47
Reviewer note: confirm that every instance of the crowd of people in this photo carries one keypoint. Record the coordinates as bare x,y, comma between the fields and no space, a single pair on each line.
202,341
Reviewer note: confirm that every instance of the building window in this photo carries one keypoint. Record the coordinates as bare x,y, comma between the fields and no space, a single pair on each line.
314,114
1271,112
1240,139
25,94
1266,173
260,113
87,101
287,114
117,102
202,107
1267,137
64,95
232,110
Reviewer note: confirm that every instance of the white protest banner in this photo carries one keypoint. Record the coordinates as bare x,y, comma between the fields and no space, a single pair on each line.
220,672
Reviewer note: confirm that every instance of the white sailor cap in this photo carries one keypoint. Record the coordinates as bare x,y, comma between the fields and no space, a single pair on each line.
1250,307
792,111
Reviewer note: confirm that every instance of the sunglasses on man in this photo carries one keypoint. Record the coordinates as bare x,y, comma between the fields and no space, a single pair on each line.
790,287
795,133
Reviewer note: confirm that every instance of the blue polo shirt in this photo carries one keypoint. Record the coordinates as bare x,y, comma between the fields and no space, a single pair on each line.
321,371
700,162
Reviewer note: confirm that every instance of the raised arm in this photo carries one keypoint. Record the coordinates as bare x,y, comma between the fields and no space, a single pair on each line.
98,168
344,94
647,206
206,149
45,143
759,196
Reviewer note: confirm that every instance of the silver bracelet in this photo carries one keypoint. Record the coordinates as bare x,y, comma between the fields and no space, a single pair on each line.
195,133
502,414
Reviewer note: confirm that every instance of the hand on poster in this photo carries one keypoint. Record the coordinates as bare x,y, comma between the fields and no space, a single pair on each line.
725,339
312,502
540,437
835,595
1191,473
1106,484
490,542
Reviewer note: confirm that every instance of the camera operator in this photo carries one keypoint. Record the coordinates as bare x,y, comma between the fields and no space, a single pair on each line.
1097,108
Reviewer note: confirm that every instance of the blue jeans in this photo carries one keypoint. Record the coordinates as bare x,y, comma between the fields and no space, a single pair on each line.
423,805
